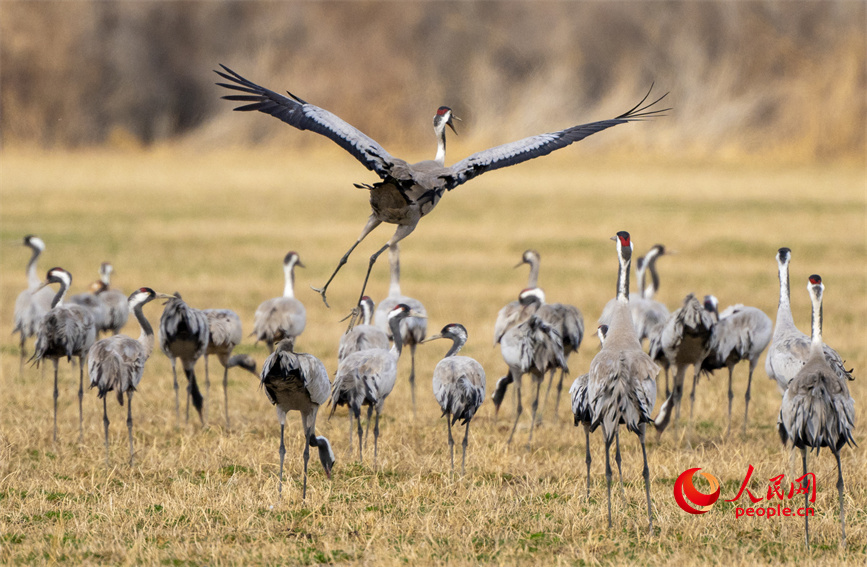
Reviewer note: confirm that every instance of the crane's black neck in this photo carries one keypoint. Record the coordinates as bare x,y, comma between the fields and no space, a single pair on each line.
145,325
61,293
394,325
650,265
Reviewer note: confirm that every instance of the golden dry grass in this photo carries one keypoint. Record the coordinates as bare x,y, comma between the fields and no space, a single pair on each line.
215,227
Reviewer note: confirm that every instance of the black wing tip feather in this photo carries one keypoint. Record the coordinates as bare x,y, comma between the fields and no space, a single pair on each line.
642,111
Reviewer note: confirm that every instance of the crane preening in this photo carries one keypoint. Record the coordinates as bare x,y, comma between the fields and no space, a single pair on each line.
407,192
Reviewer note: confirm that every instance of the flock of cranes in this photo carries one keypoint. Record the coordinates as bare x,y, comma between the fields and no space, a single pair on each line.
535,337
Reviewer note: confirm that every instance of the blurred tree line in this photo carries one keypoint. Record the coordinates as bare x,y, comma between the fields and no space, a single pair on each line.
776,78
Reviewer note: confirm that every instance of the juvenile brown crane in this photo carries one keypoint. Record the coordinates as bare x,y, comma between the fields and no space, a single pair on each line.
116,363
817,410
621,387
407,192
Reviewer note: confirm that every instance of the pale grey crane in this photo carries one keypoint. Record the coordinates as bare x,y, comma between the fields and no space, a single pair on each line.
533,347
458,386
117,310
281,317
789,347
817,410
412,329
116,363
407,192
582,413
740,333
514,313
299,382
367,377
31,305
621,388
363,336
184,334
93,303
224,334
684,341
65,331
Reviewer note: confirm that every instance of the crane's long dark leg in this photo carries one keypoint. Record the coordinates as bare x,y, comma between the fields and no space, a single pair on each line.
618,460
372,222
451,441
360,436
464,444
747,395
23,356
367,427
678,391
129,422
412,376
175,384
547,393
538,380
692,393
731,397
282,455
105,423
207,389
308,435
518,409
56,395
840,491
193,391
80,399
806,499
401,232
559,392
349,447
226,393
376,438
587,459
646,473
667,390
608,471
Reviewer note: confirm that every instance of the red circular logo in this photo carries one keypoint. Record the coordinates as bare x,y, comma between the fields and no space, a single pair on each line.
683,487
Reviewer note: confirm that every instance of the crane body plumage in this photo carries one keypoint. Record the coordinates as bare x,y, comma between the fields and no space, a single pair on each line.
224,334
364,336
184,334
281,317
33,303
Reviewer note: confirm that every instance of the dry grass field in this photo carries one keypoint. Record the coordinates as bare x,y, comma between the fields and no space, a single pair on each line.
216,227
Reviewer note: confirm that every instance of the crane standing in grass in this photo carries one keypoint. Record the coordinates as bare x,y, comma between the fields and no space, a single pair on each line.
299,382
817,410
458,386
117,309
224,334
65,331
281,317
33,303
407,192
116,363
184,334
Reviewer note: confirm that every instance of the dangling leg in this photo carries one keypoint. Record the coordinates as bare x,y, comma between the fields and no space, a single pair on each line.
372,222
451,442
105,423
80,399
175,384
464,444
538,380
412,376
806,500
747,395
129,422
282,455
56,395
840,490
731,397
587,458
376,438
646,473
401,232
608,440
617,459
519,409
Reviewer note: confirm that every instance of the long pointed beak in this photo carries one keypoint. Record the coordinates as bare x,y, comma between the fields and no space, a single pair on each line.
165,296
451,125
44,284
519,264
431,338
416,314
300,264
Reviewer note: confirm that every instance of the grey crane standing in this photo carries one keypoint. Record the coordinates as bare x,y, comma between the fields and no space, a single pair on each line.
117,310
224,334
740,333
281,317
299,382
184,334
412,329
789,347
116,363
31,305
65,331
367,377
93,303
407,192
621,388
533,347
569,322
582,413
514,313
817,410
458,386
363,336
684,341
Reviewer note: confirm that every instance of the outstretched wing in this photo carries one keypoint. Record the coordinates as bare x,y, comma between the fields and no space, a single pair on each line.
541,145
305,116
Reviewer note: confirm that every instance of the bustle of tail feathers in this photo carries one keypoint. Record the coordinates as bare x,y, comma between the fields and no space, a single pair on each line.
195,394
664,416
